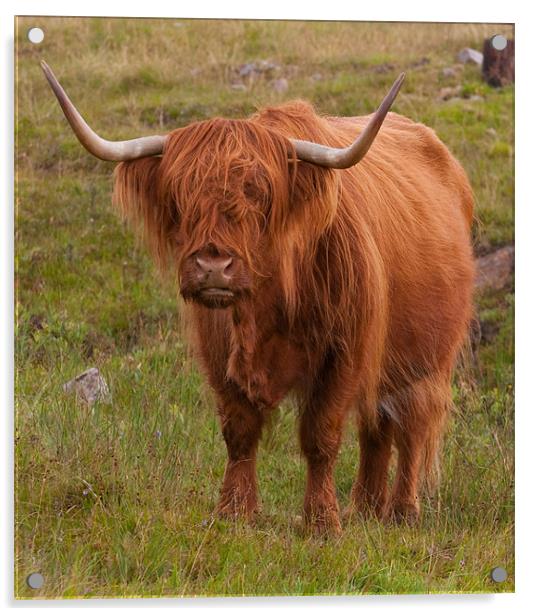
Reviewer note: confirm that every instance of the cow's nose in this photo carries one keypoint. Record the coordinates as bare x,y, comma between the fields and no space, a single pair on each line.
215,271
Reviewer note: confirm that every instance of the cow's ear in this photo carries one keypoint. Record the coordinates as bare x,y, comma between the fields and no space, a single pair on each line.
313,195
138,196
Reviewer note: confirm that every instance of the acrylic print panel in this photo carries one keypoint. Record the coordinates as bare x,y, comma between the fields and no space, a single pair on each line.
349,289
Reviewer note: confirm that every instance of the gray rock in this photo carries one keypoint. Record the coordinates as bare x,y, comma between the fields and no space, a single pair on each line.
385,67
240,87
421,62
446,93
495,270
280,85
449,71
264,66
470,55
89,386
259,67
246,69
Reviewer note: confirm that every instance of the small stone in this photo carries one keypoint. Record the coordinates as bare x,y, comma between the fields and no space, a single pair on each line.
449,71
447,93
316,77
239,87
89,386
470,55
421,62
264,66
476,97
385,67
280,85
246,69
251,70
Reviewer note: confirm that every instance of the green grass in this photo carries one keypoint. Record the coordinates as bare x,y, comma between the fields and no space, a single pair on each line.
115,500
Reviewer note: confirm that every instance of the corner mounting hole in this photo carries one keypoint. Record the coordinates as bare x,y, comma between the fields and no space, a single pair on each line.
35,581
499,42
498,575
36,35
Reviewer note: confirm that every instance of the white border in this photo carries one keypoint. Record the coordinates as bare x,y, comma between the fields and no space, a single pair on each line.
526,204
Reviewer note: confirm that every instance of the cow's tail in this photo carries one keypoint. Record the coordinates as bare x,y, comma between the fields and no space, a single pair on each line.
431,458
443,405
440,399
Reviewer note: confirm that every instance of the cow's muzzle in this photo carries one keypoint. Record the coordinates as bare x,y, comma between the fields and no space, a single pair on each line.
213,278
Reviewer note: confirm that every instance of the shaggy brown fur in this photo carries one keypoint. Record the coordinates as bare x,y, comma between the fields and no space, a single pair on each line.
354,290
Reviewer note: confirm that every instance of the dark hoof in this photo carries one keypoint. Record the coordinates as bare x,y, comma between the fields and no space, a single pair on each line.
236,510
404,513
364,511
324,523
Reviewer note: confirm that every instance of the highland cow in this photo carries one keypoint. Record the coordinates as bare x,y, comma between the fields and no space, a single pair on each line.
341,274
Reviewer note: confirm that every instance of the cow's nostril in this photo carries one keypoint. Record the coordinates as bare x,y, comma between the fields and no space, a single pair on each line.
215,267
205,266
226,266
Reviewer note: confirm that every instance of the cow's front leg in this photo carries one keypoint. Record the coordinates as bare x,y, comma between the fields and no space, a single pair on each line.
370,490
320,438
242,424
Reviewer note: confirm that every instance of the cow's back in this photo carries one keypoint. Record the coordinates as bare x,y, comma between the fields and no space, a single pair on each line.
416,200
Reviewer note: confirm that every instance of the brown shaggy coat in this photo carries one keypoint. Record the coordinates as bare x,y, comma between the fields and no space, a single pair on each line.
358,290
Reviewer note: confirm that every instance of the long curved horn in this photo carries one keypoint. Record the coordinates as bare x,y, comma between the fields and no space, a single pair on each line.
343,158
99,147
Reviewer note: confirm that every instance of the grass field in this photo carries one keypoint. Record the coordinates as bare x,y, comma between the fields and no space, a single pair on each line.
116,500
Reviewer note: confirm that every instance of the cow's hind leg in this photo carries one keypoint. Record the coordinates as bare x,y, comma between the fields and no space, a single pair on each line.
370,490
423,408
242,424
